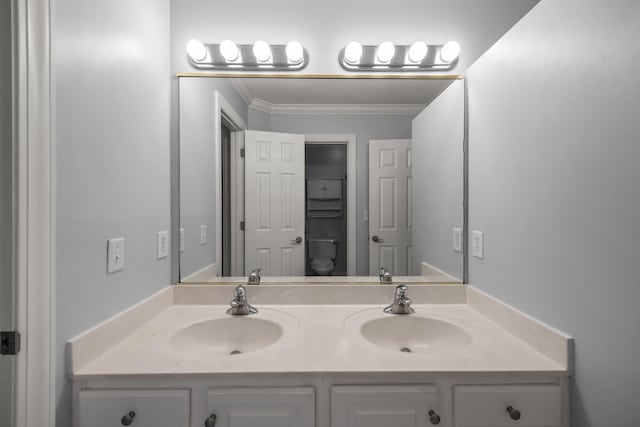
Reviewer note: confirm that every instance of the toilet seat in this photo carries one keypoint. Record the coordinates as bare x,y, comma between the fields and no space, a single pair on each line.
322,266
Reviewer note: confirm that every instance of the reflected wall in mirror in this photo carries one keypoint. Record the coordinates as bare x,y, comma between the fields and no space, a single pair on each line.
320,177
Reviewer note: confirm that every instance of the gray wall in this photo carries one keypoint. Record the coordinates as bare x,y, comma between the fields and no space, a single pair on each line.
197,171
438,134
110,77
555,186
365,127
6,206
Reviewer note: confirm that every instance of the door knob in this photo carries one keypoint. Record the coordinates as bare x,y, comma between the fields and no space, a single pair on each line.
211,421
297,240
434,418
377,239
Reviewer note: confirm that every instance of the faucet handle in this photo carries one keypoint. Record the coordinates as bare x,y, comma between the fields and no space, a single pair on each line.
385,276
254,276
240,292
401,291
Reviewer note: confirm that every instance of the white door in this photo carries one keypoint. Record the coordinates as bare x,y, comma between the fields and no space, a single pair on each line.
274,203
262,407
384,406
390,206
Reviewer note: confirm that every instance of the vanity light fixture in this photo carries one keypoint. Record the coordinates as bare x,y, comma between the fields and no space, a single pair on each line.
417,52
196,50
352,53
229,50
262,51
258,56
418,56
294,52
385,52
450,52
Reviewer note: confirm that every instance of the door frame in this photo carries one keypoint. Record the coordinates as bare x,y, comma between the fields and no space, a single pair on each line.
34,215
224,112
350,141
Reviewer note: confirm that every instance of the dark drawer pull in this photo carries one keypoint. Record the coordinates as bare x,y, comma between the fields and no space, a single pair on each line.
513,413
433,417
127,419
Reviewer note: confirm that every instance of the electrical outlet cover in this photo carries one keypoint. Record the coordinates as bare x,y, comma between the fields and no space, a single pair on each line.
457,239
478,244
162,243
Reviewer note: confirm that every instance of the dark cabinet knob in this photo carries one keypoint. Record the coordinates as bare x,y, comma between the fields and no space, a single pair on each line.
211,421
127,419
513,413
433,417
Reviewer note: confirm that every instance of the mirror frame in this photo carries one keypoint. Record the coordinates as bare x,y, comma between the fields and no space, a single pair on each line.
429,275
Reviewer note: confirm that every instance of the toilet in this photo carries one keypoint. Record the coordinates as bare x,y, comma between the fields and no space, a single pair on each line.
322,253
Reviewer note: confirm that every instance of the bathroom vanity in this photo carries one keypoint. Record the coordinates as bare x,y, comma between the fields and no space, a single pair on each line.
309,357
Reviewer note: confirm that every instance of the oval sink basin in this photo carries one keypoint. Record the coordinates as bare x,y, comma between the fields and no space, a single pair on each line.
225,337
413,334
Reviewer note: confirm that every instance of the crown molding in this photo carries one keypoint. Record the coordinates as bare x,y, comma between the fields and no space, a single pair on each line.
332,109
242,90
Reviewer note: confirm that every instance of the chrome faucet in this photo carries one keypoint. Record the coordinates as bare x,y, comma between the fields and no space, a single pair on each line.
385,276
254,277
401,303
239,304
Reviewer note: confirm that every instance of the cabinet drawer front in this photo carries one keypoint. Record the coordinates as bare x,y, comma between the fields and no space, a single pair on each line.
486,406
263,407
152,408
383,406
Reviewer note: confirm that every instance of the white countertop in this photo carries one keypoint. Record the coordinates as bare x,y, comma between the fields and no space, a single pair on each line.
317,338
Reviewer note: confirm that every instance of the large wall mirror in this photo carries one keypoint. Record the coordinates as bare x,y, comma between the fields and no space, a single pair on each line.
321,177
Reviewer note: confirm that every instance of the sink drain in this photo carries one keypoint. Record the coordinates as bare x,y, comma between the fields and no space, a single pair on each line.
406,350
235,352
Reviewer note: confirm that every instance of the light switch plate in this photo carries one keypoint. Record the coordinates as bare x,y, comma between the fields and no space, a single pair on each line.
457,239
162,243
182,240
203,234
115,255
478,244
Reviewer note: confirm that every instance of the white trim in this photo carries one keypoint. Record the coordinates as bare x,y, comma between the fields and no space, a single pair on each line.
435,274
205,274
332,109
350,141
221,107
35,384
237,203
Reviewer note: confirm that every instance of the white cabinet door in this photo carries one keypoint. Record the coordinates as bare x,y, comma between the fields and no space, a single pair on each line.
274,203
537,405
263,407
148,408
390,207
383,406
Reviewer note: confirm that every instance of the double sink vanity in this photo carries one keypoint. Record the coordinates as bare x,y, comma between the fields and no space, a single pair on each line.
305,355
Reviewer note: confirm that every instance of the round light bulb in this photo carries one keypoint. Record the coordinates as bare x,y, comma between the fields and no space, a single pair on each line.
353,52
294,52
262,51
385,52
196,50
418,51
229,50
450,51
